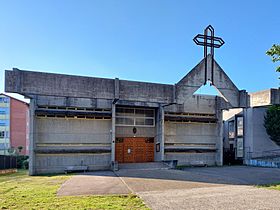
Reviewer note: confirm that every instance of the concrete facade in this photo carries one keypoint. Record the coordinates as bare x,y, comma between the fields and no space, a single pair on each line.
256,141
75,120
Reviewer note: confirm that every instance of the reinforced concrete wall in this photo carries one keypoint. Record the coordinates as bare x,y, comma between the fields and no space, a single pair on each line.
190,133
195,104
56,163
73,131
256,139
193,143
58,85
192,159
70,142
264,97
95,95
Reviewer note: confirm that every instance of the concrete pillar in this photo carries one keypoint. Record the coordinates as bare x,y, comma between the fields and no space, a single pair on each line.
219,142
159,156
113,134
162,132
117,88
32,137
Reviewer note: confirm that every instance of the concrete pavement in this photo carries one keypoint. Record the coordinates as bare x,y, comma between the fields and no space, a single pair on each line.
235,197
192,188
94,183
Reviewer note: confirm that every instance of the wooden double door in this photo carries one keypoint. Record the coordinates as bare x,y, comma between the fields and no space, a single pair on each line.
134,150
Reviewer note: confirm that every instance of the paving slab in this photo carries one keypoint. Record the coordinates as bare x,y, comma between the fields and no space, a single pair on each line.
94,183
143,166
248,175
140,180
193,188
204,188
235,197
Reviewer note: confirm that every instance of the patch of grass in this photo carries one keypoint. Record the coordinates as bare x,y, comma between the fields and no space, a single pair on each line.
20,191
182,167
275,186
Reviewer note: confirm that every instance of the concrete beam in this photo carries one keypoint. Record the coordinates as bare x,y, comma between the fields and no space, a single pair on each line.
264,97
186,87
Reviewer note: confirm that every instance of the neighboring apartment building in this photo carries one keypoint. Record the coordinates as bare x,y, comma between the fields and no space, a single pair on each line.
14,130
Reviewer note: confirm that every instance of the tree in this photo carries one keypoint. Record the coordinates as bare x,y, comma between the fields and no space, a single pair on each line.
272,123
274,53
272,118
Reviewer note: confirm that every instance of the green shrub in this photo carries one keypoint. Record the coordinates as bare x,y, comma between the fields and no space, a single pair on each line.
22,161
272,123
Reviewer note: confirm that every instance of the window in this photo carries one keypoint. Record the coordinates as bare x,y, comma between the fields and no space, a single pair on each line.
2,134
4,146
239,121
4,122
239,148
4,100
4,111
231,129
135,117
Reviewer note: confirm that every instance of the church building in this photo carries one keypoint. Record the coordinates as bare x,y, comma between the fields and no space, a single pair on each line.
98,122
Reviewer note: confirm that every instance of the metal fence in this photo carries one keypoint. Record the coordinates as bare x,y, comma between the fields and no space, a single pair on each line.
8,162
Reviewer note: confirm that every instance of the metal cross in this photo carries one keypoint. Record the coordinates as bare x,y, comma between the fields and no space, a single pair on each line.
215,42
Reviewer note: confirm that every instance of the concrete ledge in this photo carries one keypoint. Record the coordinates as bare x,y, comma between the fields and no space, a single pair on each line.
190,150
61,169
63,151
76,168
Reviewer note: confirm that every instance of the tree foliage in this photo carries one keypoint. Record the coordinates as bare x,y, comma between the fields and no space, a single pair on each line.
274,53
272,123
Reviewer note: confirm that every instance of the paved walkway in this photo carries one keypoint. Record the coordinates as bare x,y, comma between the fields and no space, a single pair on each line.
194,188
94,183
235,197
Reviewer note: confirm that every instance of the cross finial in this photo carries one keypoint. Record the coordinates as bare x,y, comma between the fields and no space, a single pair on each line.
215,42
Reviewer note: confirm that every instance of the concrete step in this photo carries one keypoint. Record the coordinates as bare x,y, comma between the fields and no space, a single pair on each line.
143,166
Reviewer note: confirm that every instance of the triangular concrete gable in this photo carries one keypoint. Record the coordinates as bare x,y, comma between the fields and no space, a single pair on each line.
196,78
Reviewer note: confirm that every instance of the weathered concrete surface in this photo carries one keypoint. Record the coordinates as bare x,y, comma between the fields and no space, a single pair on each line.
222,197
196,78
264,97
140,180
240,175
257,138
56,134
144,166
204,188
154,180
193,188
60,92
97,183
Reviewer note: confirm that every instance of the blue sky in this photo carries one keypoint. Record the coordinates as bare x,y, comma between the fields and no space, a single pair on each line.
147,40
